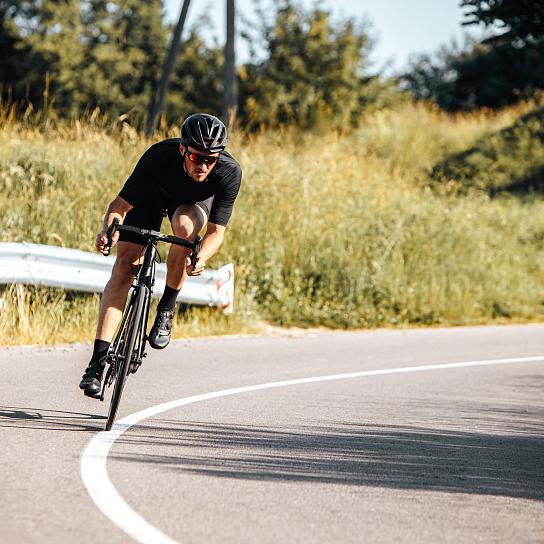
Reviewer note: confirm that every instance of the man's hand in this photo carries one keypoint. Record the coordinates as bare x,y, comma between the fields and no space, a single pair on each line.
102,240
198,269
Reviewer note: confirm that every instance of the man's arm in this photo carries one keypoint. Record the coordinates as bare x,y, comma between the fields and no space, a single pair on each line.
118,208
210,245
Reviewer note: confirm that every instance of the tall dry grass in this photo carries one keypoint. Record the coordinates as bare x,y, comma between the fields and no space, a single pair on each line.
333,230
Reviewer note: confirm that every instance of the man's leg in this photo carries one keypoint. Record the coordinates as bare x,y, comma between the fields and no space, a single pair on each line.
112,304
187,221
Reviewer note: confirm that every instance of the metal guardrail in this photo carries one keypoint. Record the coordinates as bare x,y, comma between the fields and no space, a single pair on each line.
73,269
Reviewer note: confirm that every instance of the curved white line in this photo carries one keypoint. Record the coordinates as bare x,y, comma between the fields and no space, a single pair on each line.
94,457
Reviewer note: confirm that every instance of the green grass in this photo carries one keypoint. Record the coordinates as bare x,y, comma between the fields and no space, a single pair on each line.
509,160
329,230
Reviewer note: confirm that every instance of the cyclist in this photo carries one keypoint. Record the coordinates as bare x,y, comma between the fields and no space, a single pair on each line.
193,181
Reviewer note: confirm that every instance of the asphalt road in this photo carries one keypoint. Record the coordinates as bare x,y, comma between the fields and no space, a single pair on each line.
444,455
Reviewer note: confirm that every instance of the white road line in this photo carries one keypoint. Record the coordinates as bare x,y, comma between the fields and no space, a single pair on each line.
94,458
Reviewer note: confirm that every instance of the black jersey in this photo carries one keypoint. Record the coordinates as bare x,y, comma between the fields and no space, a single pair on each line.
160,181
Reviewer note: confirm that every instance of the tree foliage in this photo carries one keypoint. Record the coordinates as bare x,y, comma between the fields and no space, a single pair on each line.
501,70
313,69
125,45
46,50
518,19
12,49
480,75
75,55
197,81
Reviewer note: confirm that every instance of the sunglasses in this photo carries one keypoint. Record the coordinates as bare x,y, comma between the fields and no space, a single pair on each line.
197,158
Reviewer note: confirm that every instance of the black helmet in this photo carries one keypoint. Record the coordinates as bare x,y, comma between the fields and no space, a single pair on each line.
204,132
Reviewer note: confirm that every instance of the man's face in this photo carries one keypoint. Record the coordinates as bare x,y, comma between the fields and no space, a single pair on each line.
192,158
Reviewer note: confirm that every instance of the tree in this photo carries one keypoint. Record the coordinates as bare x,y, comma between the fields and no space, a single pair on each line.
480,75
432,77
230,88
519,19
197,81
126,43
79,54
45,45
11,46
157,98
314,70
502,69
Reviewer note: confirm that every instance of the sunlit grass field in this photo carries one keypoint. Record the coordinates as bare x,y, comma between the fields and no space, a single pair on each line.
334,230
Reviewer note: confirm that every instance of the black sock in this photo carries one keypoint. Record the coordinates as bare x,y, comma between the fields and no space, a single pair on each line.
168,299
100,349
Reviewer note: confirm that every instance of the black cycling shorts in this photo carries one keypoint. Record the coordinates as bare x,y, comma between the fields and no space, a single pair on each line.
150,218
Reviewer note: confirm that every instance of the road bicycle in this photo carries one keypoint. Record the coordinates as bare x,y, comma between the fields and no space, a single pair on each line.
128,347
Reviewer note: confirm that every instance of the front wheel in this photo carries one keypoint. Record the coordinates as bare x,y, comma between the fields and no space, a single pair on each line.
125,352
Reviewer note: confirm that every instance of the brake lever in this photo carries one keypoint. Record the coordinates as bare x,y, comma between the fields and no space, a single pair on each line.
196,249
109,235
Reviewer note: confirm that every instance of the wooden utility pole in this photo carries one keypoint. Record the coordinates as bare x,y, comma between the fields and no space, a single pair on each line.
157,99
230,94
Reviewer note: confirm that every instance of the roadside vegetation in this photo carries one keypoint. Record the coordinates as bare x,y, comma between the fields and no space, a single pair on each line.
360,206
342,230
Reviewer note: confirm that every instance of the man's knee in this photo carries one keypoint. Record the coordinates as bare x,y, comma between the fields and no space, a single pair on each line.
126,263
188,221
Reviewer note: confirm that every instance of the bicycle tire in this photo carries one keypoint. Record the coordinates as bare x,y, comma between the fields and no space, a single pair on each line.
126,354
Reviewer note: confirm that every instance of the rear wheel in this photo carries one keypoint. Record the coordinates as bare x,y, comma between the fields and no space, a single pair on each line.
126,349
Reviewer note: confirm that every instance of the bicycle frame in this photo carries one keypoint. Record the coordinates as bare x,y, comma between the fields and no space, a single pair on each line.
128,348
144,280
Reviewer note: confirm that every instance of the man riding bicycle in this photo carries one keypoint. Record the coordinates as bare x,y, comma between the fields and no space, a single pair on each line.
193,181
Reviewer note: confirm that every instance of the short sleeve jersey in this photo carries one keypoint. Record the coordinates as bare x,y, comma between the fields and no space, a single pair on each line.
160,181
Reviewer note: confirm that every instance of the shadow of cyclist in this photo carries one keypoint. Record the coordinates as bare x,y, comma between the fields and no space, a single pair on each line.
44,419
